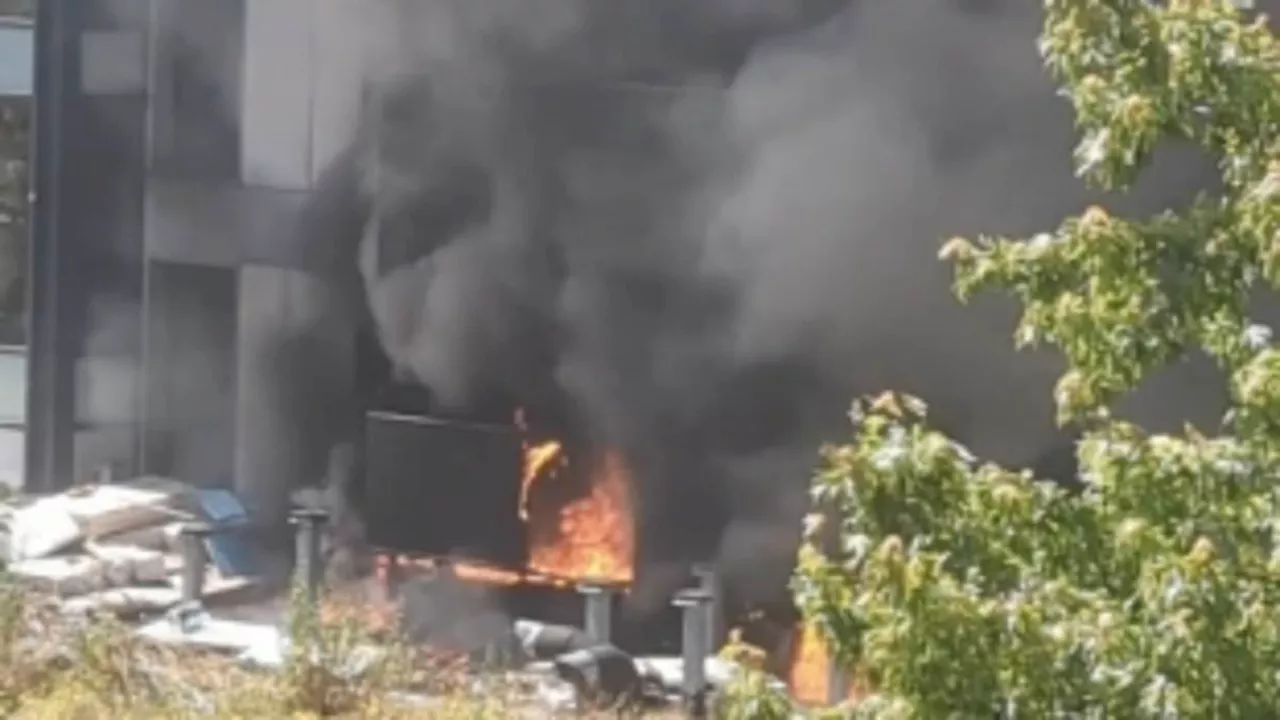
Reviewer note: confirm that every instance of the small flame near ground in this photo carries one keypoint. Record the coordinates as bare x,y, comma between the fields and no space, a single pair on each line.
591,538
809,675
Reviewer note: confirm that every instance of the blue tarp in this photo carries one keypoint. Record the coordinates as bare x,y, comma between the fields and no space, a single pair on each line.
227,550
17,45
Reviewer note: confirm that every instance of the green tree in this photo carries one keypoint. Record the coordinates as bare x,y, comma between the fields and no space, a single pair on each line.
965,590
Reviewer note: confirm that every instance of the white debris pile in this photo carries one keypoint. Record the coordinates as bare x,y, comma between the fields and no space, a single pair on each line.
109,547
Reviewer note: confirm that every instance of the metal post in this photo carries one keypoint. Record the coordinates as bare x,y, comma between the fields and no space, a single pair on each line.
309,567
195,560
709,582
55,290
837,683
597,611
694,649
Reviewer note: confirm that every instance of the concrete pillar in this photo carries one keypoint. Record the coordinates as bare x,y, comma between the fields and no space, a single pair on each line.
294,360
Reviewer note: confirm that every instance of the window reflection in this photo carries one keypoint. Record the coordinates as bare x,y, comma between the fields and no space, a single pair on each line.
15,116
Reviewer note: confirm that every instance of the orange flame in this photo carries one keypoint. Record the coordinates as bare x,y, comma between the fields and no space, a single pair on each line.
809,675
595,536
537,461
591,538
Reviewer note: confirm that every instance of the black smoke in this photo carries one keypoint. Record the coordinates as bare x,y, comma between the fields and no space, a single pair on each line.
695,230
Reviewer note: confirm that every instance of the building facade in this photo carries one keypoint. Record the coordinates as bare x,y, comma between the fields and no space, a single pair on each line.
178,143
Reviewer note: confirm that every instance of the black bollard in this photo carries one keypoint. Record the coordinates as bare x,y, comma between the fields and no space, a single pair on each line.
696,604
195,560
308,565
597,611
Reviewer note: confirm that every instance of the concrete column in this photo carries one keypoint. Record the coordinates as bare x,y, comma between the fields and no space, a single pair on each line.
294,365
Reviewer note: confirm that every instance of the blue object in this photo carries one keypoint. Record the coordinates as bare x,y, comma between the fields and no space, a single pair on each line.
222,508
228,552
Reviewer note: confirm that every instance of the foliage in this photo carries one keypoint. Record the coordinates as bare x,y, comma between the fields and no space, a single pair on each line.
332,666
56,668
966,590
754,695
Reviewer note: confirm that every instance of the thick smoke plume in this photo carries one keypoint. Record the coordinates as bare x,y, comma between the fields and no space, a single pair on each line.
694,230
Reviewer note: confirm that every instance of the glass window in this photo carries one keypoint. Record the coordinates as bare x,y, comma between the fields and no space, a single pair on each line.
15,115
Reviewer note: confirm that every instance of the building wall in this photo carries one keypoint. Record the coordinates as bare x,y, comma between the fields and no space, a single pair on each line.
288,75
238,105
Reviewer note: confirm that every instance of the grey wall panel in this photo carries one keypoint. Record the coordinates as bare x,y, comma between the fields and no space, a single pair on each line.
103,216
102,446
276,113
274,236
120,14
106,390
113,62
227,225
293,368
196,70
345,46
195,222
190,372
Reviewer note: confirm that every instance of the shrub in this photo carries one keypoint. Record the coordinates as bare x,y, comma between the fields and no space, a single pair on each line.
966,590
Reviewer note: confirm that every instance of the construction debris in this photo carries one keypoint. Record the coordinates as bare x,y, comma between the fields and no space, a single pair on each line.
541,641
129,602
105,509
161,538
40,527
38,530
125,565
669,671
62,577
603,676
193,626
114,547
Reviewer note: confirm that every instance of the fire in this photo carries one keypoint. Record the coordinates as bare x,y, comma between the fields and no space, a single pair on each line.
591,538
538,460
594,538
809,675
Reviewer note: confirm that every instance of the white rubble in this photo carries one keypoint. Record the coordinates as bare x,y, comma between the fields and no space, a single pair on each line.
670,670
124,601
63,577
194,627
92,540
126,565
40,530
49,525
